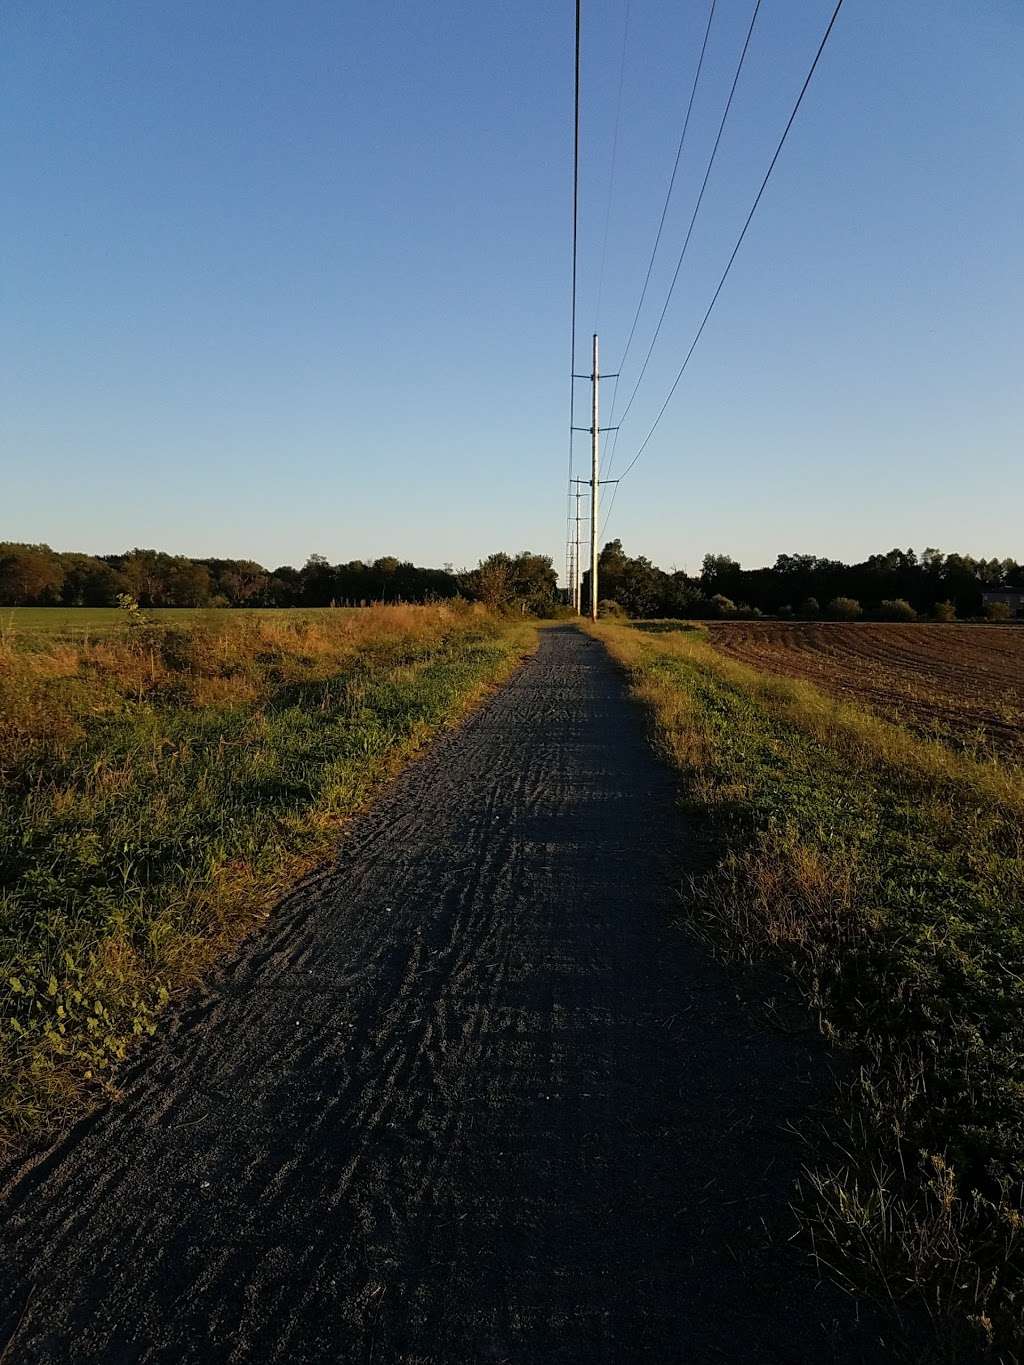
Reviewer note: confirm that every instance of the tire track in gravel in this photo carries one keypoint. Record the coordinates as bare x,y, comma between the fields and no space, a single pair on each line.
468,1098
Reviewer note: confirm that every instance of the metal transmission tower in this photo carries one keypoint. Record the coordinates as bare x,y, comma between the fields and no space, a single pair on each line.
595,430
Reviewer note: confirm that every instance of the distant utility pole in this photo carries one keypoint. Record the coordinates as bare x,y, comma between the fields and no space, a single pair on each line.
595,479
576,564
577,599
595,430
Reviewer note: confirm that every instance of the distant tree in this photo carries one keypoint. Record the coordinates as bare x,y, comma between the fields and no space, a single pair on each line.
492,582
284,588
809,609
142,572
681,597
536,583
641,588
720,574
90,582
30,575
156,579
243,582
944,611
502,582
319,582
185,583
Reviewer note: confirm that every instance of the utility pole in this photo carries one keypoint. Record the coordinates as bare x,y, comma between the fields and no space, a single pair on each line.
577,579
595,479
575,546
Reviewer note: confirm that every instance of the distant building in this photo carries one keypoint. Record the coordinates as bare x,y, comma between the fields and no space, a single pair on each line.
1014,600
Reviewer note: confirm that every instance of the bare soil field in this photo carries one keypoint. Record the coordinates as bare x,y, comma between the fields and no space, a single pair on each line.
960,683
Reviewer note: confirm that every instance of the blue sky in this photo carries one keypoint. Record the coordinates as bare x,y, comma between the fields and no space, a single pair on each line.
291,278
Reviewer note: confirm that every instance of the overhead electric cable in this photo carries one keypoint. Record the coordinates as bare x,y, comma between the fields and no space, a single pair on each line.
575,230
735,251
693,218
664,214
611,173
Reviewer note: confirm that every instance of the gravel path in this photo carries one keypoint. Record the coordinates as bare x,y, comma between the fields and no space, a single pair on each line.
468,1098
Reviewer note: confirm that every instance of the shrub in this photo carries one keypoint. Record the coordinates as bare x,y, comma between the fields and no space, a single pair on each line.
998,611
897,609
809,609
943,611
786,613
611,610
845,609
722,606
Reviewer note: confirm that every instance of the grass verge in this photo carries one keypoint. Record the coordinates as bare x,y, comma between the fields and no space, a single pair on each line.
888,874
162,788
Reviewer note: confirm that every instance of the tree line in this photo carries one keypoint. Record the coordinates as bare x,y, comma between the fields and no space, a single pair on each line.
899,584
38,576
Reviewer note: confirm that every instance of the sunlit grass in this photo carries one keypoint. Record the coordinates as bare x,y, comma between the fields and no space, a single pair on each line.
887,871
30,625
161,787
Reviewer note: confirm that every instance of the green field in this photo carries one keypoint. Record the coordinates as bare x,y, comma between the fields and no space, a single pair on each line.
93,623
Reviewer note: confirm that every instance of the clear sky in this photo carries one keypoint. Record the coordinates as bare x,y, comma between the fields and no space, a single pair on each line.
281,278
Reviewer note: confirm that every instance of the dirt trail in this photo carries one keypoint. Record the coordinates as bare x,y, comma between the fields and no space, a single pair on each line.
470,1098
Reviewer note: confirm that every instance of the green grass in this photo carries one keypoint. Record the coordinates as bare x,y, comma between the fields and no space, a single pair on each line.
161,790
30,625
888,874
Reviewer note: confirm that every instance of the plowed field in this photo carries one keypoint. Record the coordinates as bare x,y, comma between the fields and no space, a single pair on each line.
963,684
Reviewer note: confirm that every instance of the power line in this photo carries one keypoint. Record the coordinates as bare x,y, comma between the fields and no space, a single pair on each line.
664,214
575,233
611,173
735,251
696,211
